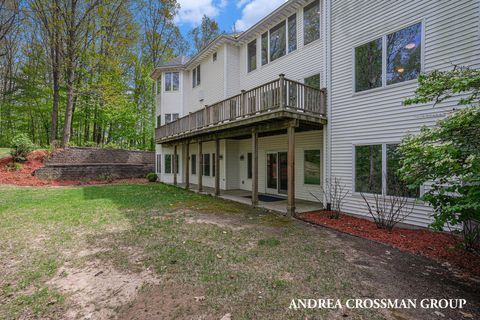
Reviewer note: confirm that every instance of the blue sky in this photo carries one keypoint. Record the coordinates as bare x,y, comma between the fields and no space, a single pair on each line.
227,13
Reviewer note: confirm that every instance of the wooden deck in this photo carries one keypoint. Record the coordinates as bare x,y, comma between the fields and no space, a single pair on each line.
267,106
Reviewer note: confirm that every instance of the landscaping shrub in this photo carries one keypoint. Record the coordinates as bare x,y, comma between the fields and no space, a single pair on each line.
21,147
335,191
152,177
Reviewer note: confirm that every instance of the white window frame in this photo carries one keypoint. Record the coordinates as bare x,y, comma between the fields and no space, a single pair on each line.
320,16
384,36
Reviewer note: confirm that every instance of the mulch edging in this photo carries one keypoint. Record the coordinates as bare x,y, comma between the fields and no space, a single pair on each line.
440,246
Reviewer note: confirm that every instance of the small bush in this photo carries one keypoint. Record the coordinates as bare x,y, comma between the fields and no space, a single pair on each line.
152,177
14,166
21,147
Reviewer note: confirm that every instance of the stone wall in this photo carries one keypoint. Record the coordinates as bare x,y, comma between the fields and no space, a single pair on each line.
97,164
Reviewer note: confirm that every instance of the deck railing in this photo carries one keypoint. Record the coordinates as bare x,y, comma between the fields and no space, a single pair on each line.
278,94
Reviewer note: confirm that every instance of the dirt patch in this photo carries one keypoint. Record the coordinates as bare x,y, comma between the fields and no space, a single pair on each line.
440,246
97,290
232,222
167,301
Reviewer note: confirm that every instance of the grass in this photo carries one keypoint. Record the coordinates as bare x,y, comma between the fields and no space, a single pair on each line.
4,152
243,261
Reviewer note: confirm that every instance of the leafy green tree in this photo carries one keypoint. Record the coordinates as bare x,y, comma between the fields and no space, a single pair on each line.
205,33
447,156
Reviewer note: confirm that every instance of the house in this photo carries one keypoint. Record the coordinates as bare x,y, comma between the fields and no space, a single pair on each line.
310,93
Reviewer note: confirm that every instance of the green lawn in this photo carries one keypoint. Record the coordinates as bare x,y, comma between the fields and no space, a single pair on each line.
4,152
208,257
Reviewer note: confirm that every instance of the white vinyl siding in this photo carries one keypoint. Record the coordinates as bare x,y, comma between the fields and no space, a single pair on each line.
377,116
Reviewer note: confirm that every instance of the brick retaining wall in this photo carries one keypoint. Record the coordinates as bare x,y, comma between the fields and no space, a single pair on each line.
96,163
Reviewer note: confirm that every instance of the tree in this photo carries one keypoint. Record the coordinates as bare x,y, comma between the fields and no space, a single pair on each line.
447,156
205,33
9,11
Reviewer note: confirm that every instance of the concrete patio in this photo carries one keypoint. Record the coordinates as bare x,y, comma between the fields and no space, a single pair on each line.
244,196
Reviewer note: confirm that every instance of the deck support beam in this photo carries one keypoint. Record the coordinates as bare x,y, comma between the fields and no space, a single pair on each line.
187,165
175,169
254,168
291,171
217,167
200,166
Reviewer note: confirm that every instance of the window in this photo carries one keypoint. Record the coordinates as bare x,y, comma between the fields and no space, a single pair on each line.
311,167
172,81
313,81
292,33
206,164
168,118
168,163
311,22
395,185
404,54
159,163
368,66
249,165
264,48
213,165
368,168
278,41
214,57
196,76
159,121
174,116
252,55
194,163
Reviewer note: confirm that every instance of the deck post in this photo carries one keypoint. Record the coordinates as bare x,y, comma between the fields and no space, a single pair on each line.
254,168
281,91
200,167
187,165
217,167
243,103
175,169
291,171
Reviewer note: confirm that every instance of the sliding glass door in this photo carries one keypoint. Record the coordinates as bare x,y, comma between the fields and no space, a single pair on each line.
277,181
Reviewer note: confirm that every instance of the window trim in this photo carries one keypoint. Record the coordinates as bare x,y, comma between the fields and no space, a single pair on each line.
384,168
383,36
256,55
320,16
196,76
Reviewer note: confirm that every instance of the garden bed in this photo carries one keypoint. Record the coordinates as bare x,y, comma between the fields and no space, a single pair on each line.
440,246
22,175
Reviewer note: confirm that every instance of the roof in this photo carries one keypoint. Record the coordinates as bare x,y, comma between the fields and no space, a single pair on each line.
276,16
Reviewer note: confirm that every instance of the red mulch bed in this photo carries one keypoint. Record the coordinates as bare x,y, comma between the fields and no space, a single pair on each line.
34,161
440,246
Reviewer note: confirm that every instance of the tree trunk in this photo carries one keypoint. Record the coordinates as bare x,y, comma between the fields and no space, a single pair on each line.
70,100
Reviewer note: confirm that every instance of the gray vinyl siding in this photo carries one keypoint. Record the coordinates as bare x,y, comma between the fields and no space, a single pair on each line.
451,36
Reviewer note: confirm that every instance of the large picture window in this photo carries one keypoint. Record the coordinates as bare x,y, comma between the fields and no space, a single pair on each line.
252,55
368,168
368,65
404,54
311,167
311,22
278,36
292,33
369,173
172,80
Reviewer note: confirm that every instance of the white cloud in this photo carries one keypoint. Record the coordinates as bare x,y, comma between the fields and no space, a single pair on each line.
192,11
254,10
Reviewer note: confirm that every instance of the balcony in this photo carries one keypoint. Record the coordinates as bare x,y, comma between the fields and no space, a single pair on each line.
281,99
